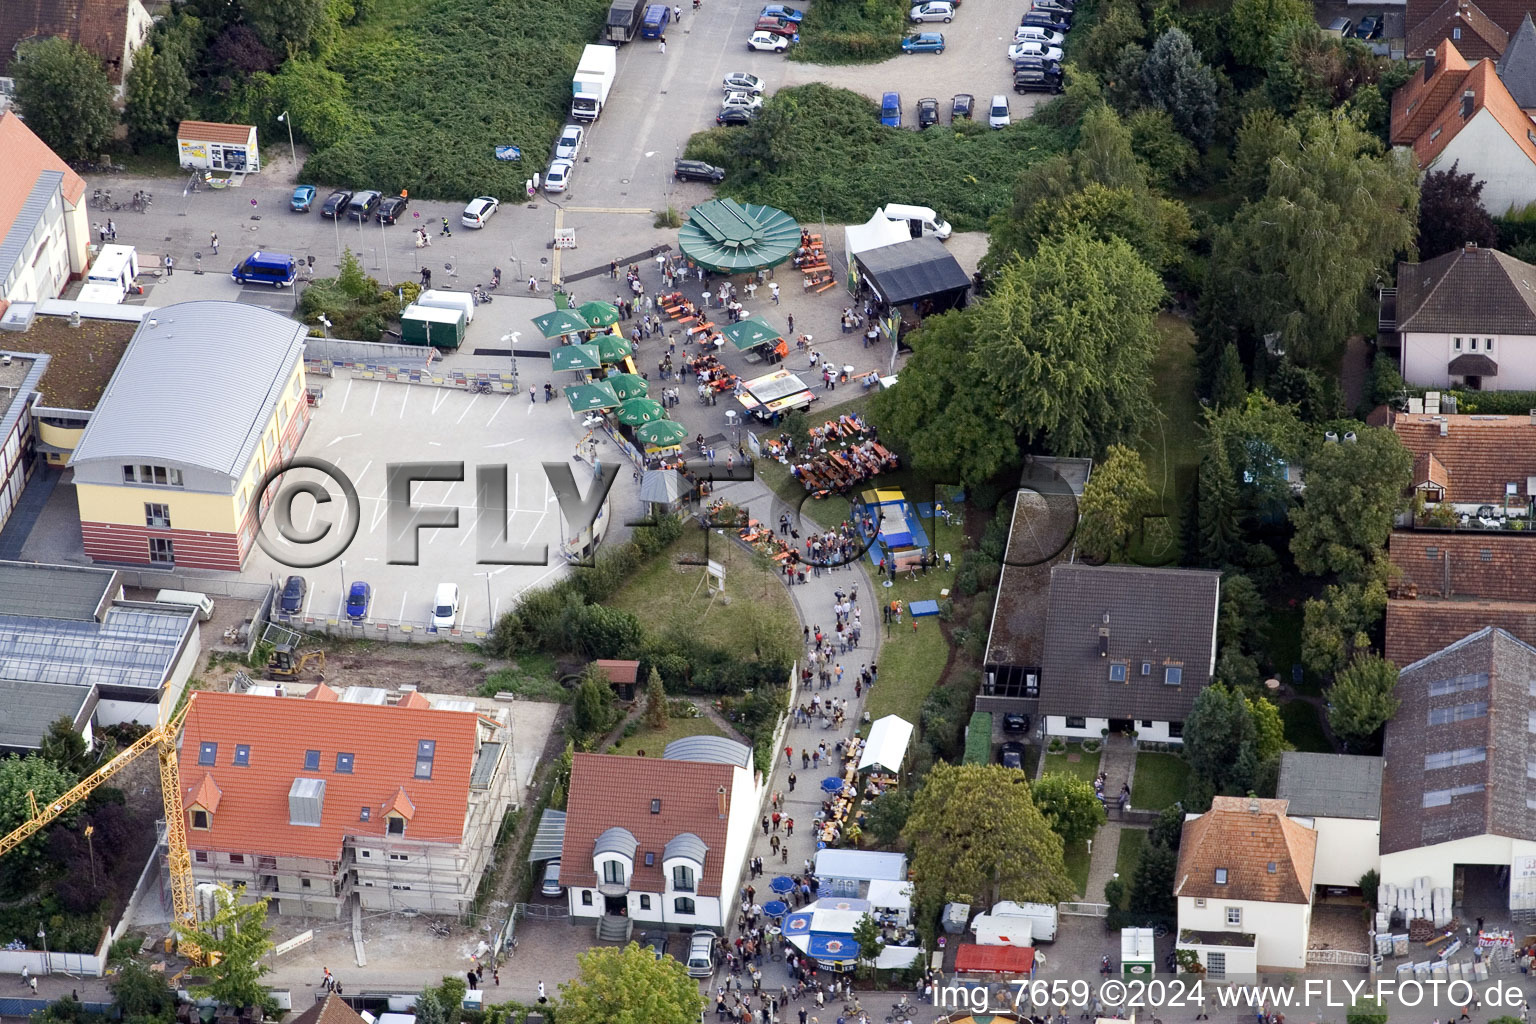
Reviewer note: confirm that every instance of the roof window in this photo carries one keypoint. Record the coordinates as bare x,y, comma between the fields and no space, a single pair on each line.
1117,672
344,763
1173,675
425,751
207,753
243,754
1221,876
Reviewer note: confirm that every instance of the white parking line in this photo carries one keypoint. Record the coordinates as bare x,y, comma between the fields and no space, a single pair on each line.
502,444
441,397
346,394
467,407
401,616
404,401
499,406
343,437
377,387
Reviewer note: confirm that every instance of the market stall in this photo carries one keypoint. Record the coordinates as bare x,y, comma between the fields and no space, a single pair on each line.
892,901
1017,961
775,393
886,747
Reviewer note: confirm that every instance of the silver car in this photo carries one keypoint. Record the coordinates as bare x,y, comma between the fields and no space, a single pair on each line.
569,143
936,10
740,81
701,954
558,177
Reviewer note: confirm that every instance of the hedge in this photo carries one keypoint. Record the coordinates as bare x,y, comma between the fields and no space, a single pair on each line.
978,739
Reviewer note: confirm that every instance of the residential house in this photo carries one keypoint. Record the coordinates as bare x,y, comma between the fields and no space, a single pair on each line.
1450,584
1244,887
659,840
1466,319
44,224
310,800
331,1008
1452,114
207,397
1127,649
1479,465
110,30
1463,22
1338,796
1458,801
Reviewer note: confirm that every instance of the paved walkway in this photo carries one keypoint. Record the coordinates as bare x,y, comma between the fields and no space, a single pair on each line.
1118,763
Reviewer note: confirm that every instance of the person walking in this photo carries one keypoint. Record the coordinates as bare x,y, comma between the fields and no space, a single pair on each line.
791,782
213,242
111,230
533,285
677,16
426,277
170,265
447,231
662,45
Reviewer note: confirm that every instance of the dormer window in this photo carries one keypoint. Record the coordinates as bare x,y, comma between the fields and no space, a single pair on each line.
1221,876
396,825
200,819
613,872
682,878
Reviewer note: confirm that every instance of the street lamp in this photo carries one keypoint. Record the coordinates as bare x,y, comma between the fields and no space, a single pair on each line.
42,937
490,611
342,569
292,153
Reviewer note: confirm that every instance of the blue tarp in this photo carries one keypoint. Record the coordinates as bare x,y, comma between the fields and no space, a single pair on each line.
921,608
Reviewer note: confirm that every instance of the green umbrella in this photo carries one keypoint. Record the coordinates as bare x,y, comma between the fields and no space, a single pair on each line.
629,385
560,322
575,357
611,348
587,397
640,410
751,332
598,313
661,433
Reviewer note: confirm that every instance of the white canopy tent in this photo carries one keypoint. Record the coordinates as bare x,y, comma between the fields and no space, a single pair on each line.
887,744
894,958
879,231
888,895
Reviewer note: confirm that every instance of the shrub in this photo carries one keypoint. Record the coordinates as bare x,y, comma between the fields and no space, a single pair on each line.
852,31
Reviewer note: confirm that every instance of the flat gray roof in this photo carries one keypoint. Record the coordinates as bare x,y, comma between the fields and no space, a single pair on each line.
132,647
30,708
195,387
54,591
1330,785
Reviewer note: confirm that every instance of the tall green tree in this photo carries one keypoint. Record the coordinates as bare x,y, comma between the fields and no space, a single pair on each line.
870,937
1070,805
1221,739
1231,386
593,711
1298,262
1176,80
291,27
159,91
1220,534
976,836
1362,700
1114,501
628,985
64,94
1354,489
142,996
1339,625
23,780
655,702
65,747
238,939
1253,24
889,816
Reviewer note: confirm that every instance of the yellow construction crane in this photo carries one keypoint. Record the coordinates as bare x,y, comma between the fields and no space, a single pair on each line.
162,740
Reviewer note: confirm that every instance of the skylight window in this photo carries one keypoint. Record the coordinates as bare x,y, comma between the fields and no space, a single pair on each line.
208,753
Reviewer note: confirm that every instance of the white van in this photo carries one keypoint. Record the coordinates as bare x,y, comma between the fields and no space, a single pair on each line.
445,606
1042,917
998,116
202,602
920,220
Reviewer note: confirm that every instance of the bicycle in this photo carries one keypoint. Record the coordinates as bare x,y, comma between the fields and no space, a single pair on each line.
480,387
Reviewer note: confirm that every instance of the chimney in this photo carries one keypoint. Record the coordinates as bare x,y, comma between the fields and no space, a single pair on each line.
1429,64
1468,103
1533,417
1470,248
720,801
1253,805
1104,637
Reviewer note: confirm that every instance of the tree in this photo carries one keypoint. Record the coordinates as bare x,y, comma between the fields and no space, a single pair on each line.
1069,805
1231,386
1120,25
1354,489
1168,155
430,1009
142,996
868,935
1451,213
1152,882
290,27
593,712
1176,80
65,748
158,97
1114,501
976,836
1221,537
629,986
1366,1010
1339,624
1361,699
1220,739
655,702
64,94
46,782
239,939
1253,24
1298,261
889,816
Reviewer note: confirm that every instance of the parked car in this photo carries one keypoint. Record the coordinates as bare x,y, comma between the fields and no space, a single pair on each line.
936,10
1011,755
445,606
778,26
658,947
1045,20
1369,28
1038,34
1043,79
780,11
734,117
744,100
923,42
890,110
569,143
392,208
303,199
558,177
998,116
701,954
363,205
336,204
740,81
292,600
1034,49
1061,9
961,106
1343,28
479,210
551,886
359,598
1014,722
1036,64
927,112
697,170
771,41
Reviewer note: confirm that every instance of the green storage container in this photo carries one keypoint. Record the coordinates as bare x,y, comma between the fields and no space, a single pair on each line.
432,325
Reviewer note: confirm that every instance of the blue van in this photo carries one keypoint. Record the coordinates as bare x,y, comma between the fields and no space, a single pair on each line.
655,24
275,268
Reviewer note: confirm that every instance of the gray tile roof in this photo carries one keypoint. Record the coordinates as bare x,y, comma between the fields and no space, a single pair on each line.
1330,785
195,387
1472,289
1517,67
13,245
1158,618
1457,752
55,591
30,708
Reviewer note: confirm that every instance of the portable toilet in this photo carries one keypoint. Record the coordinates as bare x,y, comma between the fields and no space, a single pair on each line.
1138,954
437,326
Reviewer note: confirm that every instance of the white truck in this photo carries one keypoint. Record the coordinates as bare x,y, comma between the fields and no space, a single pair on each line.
594,78
112,276
1041,916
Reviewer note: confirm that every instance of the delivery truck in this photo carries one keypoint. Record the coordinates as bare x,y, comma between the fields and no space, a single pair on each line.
594,79
113,276
624,21
1042,917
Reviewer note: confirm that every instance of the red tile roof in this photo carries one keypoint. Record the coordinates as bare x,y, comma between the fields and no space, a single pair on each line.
608,790
619,671
1504,13
331,1010
1488,93
1480,35
1418,628
1489,565
322,692
253,814
26,156
209,131
1245,837
1477,457
1416,104
414,700
101,26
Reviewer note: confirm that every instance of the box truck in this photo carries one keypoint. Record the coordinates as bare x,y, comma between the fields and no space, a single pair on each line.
594,79
1042,917
112,276
1002,930
624,20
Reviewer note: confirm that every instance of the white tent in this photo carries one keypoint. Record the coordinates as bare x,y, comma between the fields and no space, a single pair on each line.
894,958
887,744
893,897
879,231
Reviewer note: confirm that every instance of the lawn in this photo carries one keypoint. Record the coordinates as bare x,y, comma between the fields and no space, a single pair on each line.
1303,729
1160,780
1170,445
1129,853
1077,865
653,741
1086,766
532,676
1284,641
670,589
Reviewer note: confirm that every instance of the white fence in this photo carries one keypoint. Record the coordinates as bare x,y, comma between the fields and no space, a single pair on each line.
1338,957
1083,909
79,965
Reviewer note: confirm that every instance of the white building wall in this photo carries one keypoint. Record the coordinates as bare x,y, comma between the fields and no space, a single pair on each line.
1438,862
43,268
1152,731
746,803
1092,728
139,24
1346,849
1484,148
1425,356
1280,928
1241,961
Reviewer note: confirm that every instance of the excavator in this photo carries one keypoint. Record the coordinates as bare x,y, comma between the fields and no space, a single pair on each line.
162,740
287,663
